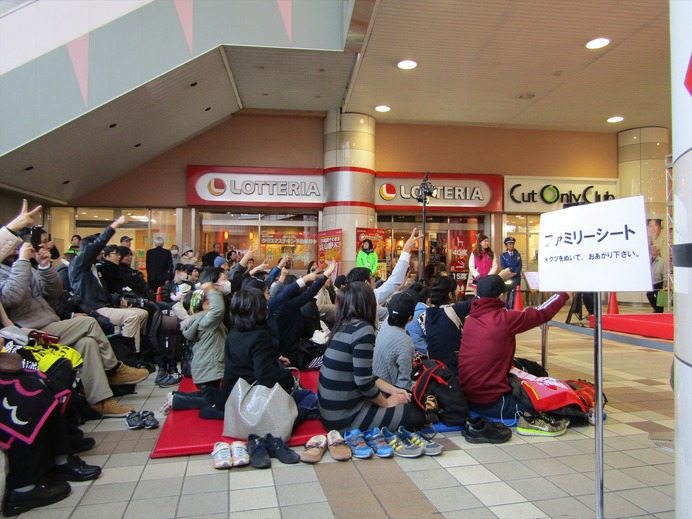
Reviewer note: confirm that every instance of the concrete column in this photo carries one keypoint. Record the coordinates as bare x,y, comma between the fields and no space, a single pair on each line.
681,83
642,171
349,178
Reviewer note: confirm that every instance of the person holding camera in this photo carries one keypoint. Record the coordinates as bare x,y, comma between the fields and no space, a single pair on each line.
86,282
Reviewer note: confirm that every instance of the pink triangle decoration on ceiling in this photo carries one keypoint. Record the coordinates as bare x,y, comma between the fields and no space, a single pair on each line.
79,55
184,9
286,8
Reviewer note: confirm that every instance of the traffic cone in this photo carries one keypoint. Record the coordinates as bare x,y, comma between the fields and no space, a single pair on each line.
613,304
518,300
159,295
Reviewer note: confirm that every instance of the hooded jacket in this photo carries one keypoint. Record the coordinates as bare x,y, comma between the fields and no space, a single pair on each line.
209,333
368,259
489,343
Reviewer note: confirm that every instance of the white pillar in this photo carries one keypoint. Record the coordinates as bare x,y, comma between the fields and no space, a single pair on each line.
642,171
681,83
349,179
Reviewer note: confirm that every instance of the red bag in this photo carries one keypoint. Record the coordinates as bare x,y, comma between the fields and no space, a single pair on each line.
547,393
586,391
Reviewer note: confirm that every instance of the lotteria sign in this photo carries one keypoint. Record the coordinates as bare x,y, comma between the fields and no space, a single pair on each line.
453,192
541,194
270,187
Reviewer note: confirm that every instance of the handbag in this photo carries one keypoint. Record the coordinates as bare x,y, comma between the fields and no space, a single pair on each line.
662,297
257,409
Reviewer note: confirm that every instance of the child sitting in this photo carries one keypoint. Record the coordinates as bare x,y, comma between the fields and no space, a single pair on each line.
206,328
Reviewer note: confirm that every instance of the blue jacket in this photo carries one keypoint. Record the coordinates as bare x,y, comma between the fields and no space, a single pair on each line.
513,263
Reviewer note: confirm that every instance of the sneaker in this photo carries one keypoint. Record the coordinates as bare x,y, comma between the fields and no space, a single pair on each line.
401,447
481,430
168,380
127,375
338,449
109,408
167,404
221,456
540,425
356,441
239,454
259,455
134,420
376,442
149,420
430,447
278,449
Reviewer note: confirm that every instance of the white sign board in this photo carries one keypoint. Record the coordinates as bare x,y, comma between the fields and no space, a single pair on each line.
599,247
532,280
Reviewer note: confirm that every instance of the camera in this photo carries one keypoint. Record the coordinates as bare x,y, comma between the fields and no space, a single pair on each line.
135,301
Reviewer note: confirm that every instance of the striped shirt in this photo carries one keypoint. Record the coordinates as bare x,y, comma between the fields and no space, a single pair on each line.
346,382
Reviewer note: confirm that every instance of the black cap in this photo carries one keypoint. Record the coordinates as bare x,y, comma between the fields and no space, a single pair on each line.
491,286
402,305
125,238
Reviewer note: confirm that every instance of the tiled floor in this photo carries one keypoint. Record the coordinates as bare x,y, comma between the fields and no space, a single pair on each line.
527,477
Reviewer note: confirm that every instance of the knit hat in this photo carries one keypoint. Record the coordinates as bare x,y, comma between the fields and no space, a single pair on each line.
219,260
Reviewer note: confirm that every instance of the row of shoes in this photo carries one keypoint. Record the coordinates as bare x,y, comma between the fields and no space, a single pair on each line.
383,443
141,420
257,453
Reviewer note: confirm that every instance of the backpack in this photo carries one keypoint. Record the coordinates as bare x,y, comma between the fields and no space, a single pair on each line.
433,377
124,349
170,338
586,391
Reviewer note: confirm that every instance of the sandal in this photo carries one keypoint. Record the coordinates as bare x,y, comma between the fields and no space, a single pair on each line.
338,449
314,449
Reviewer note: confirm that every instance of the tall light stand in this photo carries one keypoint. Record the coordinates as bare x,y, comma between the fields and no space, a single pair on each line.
426,191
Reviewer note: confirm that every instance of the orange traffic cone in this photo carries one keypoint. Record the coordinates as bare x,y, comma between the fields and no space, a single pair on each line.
613,304
159,295
518,300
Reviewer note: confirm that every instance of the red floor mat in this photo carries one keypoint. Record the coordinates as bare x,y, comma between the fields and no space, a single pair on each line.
184,433
661,326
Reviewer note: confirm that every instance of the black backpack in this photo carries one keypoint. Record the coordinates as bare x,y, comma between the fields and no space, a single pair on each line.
433,377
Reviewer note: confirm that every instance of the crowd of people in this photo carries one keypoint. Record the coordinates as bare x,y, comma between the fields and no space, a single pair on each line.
255,322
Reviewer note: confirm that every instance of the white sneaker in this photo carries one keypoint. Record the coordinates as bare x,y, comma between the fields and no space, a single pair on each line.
239,454
221,456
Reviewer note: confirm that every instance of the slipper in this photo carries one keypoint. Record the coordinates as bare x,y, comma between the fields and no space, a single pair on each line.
314,449
338,449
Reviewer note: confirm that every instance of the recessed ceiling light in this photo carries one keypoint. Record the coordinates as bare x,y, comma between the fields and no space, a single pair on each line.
615,119
407,64
598,43
383,108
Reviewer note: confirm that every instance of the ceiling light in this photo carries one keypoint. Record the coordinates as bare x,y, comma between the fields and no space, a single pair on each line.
615,119
407,64
382,108
598,43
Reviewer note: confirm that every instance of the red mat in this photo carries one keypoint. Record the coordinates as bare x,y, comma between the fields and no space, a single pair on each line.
661,326
184,433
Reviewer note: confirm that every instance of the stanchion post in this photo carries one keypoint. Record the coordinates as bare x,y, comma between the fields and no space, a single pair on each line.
598,408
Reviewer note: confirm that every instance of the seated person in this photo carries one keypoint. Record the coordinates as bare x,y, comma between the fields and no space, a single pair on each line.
350,396
35,438
206,328
131,277
413,327
249,351
441,322
170,291
86,284
489,344
393,357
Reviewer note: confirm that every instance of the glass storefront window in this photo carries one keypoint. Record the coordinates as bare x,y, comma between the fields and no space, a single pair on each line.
271,235
525,230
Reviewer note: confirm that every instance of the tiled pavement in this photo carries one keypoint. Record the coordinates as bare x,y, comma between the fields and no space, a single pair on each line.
525,478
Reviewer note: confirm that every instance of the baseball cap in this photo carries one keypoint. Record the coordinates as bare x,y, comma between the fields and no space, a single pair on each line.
491,286
125,238
402,305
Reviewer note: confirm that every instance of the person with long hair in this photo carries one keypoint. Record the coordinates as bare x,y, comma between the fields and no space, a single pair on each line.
350,396
482,261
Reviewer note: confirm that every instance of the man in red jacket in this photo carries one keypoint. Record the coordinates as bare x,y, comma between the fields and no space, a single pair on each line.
488,345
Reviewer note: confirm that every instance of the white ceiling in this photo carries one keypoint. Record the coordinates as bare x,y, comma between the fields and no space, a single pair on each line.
475,58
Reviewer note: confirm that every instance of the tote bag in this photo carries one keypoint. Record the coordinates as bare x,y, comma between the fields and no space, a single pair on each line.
257,409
